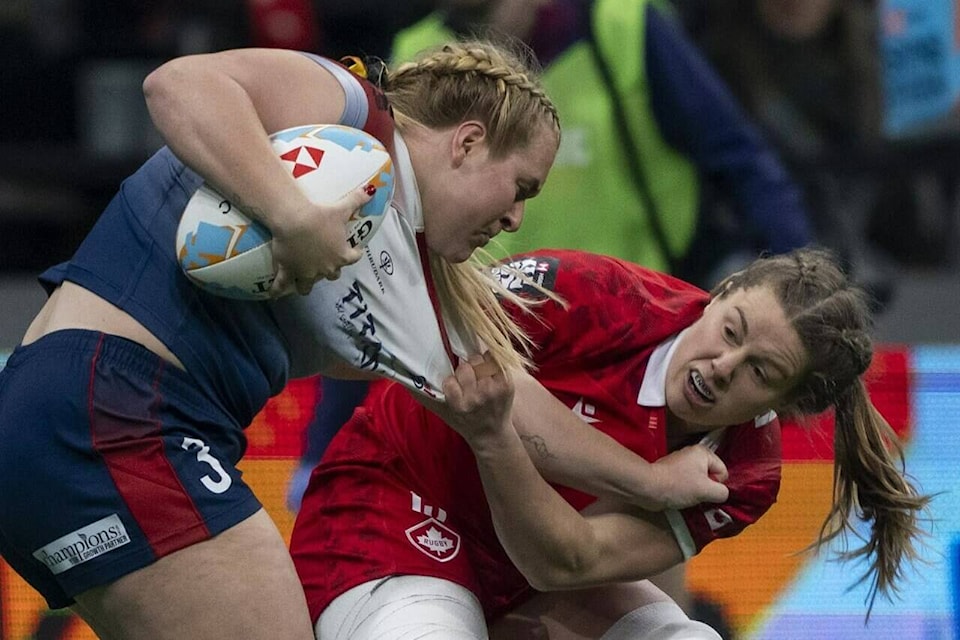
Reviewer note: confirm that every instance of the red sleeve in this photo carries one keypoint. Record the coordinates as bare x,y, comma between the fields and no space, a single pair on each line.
753,458
379,122
614,307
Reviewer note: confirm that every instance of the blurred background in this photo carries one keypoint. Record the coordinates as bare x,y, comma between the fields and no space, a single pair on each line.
858,96
862,107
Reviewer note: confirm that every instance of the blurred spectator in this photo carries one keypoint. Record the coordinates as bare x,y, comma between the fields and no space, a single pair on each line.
810,72
365,28
161,29
806,69
658,164
284,24
35,83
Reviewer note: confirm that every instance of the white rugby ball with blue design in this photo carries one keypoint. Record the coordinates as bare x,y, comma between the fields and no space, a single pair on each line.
227,253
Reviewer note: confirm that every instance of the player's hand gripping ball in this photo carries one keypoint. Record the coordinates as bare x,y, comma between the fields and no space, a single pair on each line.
227,253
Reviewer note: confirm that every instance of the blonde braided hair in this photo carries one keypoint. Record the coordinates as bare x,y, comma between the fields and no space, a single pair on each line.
497,84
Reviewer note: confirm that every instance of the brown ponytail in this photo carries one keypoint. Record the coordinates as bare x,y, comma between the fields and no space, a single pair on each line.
832,319
869,483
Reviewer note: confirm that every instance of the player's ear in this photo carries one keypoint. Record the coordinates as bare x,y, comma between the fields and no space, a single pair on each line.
467,138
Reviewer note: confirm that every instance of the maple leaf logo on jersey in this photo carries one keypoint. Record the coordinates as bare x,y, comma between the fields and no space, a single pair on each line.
524,276
435,539
585,411
305,159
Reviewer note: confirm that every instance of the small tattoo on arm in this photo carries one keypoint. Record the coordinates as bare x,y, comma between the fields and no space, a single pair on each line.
539,445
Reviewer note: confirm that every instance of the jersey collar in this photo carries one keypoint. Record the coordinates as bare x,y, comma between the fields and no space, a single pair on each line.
407,196
653,389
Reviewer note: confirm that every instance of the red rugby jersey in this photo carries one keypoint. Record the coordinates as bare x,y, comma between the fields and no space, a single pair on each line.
398,492
594,354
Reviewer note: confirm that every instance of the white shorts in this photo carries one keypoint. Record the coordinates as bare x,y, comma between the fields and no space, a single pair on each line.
403,607
659,621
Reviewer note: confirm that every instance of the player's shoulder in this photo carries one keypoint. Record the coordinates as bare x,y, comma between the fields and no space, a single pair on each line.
597,277
756,439
366,106
561,270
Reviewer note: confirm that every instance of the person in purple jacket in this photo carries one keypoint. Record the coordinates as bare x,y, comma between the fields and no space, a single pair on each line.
657,149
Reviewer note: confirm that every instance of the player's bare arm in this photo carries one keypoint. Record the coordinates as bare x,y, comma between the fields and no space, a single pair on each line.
215,111
569,452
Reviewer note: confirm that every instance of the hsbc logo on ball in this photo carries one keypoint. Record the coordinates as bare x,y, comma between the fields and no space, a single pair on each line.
305,159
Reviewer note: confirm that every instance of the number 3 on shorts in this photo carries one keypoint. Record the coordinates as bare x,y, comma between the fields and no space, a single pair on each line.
223,481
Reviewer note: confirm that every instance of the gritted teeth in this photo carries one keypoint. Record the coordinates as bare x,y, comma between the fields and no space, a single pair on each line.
700,385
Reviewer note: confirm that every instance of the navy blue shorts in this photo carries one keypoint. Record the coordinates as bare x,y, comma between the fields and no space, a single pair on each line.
110,458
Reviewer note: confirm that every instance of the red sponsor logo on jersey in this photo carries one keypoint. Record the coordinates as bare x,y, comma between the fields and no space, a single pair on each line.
435,539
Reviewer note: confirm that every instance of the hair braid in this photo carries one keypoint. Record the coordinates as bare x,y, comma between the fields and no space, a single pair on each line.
498,85
832,319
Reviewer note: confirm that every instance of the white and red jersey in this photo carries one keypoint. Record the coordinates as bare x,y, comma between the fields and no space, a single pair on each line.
381,315
398,492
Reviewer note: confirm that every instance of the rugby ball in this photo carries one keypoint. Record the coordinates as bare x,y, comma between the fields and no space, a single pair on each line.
226,253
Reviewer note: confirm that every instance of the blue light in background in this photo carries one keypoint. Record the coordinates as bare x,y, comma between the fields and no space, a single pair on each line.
821,603
955,584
